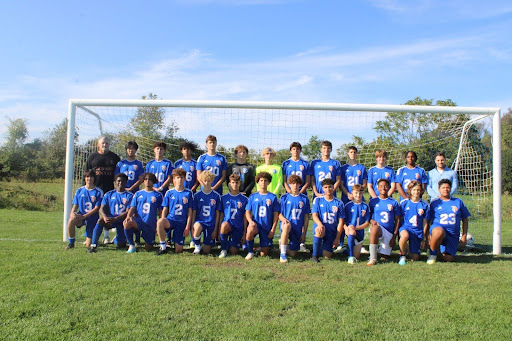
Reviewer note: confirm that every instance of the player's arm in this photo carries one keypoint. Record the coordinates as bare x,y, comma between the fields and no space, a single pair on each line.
371,191
221,180
430,189
339,230
91,212
343,189
392,242
165,212
392,189
318,222
304,228
190,218
251,182
464,237
73,214
245,229
337,184
131,214
248,216
285,184
275,220
198,172
136,185
165,184
217,223
306,185
401,190
194,188
283,219
455,183
426,225
362,226
315,190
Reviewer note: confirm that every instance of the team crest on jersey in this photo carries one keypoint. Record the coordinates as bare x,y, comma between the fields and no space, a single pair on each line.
331,168
269,202
386,174
334,209
358,172
153,199
421,211
244,170
164,168
212,202
390,207
93,198
124,201
417,176
218,162
363,212
191,168
239,204
185,200
301,167
135,167
301,204
454,208
274,171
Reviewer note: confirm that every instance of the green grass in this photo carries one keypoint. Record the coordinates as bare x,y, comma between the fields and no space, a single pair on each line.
49,293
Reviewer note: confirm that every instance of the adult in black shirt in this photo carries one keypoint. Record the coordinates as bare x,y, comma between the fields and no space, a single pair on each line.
103,163
242,168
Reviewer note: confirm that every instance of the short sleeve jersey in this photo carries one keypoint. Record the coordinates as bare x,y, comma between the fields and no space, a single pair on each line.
117,202
191,168
414,213
178,203
329,212
162,170
147,205
133,169
277,177
206,206
263,207
294,208
352,175
215,164
356,214
233,207
324,170
376,173
384,212
448,214
300,168
405,175
87,199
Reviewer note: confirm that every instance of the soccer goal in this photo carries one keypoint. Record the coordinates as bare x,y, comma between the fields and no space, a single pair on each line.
469,136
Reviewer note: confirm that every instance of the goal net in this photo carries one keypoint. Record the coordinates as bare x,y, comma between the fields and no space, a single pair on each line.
465,135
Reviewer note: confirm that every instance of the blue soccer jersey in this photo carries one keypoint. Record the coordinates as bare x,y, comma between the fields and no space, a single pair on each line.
376,173
87,199
263,207
191,168
178,203
405,175
324,170
356,214
215,164
448,214
300,168
117,202
294,208
384,211
329,212
414,213
162,170
352,175
147,205
133,169
206,206
233,207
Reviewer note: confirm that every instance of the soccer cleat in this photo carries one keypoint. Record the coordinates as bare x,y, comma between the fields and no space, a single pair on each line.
106,241
283,258
314,259
92,249
223,254
197,250
340,249
249,256
303,248
363,250
402,260
160,252
131,249
352,260
371,262
431,259
69,246
192,245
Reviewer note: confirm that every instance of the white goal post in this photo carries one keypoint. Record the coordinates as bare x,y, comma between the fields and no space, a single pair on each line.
277,124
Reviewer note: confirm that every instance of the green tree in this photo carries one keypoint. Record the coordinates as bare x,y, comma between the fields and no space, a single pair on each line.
311,150
14,156
51,159
506,151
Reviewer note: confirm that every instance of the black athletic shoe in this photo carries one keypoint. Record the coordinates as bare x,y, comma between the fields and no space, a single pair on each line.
70,246
92,249
314,259
160,252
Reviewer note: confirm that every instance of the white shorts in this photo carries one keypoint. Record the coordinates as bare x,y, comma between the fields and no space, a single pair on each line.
384,248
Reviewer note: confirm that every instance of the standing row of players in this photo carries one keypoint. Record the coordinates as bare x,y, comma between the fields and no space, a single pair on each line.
329,225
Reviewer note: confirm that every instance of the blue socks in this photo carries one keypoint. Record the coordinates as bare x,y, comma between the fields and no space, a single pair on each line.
129,236
96,233
351,241
317,246
224,241
250,246
71,241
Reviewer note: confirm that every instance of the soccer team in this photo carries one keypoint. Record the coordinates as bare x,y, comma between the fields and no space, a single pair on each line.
234,219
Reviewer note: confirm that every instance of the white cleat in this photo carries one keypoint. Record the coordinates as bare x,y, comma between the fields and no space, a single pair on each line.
249,256
352,260
197,250
431,259
223,254
303,248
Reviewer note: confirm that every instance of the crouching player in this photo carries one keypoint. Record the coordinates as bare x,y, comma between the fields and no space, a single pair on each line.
328,215
415,222
234,223
113,210
206,207
177,208
446,212
385,221
357,218
143,213
294,218
86,205
262,213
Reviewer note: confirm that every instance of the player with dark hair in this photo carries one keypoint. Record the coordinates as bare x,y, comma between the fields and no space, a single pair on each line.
352,173
381,171
243,169
214,162
325,168
132,167
410,172
189,165
441,171
357,218
160,167
295,165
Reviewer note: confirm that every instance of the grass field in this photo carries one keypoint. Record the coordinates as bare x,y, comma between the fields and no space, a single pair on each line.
49,293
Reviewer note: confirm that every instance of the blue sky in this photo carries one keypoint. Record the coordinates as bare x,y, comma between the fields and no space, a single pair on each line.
368,51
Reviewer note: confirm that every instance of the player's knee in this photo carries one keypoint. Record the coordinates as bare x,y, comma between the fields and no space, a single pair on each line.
225,227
